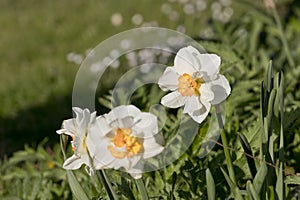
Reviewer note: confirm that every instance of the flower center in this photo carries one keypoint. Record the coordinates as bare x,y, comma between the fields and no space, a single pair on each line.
188,86
124,139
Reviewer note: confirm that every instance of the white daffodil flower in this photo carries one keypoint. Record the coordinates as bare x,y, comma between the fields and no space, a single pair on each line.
83,147
195,83
126,136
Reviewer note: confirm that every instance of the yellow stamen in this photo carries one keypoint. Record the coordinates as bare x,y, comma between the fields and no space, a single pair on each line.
124,138
187,86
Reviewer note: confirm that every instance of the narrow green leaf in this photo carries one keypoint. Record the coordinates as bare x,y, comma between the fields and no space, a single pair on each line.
252,190
256,30
281,95
271,109
248,151
263,107
276,86
269,80
174,179
280,189
75,186
63,145
280,184
225,143
159,182
260,177
283,38
102,177
211,190
271,146
142,189
271,194
235,190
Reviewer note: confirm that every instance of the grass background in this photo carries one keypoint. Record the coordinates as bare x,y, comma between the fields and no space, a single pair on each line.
35,77
36,81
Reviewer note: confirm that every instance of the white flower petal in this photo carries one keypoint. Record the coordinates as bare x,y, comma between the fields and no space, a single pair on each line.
136,171
169,80
201,114
85,148
134,160
118,163
136,175
186,60
151,148
121,112
104,150
103,160
91,143
146,123
74,162
173,100
206,93
84,121
209,64
70,126
192,103
125,122
100,128
102,157
61,131
78,112
217,90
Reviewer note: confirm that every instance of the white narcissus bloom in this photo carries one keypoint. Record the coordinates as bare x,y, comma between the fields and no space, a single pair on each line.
82,145
195,83
125,138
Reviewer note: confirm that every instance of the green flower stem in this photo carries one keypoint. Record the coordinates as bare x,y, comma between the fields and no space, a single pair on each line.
141,187
225,143
107,185
283,38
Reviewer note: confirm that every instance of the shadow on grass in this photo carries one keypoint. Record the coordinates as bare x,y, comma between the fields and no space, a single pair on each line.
32,125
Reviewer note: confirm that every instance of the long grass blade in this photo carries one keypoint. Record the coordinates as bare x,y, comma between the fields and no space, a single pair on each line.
260,177
141,187
253,192
211,188
225,143
234,190
248,151
280,189
106,184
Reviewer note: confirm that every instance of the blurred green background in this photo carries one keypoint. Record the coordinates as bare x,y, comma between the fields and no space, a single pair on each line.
37,37
36,78
43,42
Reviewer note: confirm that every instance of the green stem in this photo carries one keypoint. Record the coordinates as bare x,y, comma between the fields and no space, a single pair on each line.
225,143
107,185
283,38
141,187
